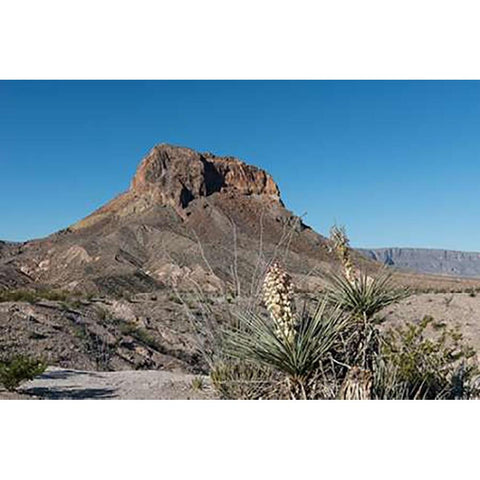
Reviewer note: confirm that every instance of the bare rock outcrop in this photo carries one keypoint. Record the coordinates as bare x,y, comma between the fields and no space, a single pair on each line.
177,175
174,176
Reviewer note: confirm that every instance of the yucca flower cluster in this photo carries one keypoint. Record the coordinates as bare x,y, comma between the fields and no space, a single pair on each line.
341,246
278,298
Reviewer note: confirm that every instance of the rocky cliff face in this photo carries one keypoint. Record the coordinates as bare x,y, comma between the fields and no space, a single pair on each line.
175,176
423,260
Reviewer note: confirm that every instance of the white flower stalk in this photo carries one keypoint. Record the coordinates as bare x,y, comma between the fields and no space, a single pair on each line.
278,298
341,246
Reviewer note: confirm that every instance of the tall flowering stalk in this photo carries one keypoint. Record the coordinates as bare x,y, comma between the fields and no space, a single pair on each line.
278,298
341,246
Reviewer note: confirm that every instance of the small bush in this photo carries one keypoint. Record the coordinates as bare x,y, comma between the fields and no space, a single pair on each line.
425,361
448,300
20,368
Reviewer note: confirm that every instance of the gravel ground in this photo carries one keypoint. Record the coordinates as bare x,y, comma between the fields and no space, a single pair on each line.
454,309
60,383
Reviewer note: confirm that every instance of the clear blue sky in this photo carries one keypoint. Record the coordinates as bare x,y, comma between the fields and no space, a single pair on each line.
397,162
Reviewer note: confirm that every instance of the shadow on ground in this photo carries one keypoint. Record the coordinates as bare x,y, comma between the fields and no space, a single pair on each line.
64,374
52,393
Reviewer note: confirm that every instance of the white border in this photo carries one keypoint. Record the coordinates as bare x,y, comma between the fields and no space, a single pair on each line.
216,39
238,440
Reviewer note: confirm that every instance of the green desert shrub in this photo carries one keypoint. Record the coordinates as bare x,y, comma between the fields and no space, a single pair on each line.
18,296
19,368
425,361
361,297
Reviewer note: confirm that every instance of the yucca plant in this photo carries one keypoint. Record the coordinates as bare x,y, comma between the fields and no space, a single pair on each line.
366,295
297,358
278,298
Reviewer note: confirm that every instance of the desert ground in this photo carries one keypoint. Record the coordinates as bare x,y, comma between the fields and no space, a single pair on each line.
452,309
66,384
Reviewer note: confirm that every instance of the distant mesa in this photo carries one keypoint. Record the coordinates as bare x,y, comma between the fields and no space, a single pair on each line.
431,261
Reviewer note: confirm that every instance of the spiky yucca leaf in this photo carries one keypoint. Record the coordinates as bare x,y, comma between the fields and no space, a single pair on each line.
260,341
365,296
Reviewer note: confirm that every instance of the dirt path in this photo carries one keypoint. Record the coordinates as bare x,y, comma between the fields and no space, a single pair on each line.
59,383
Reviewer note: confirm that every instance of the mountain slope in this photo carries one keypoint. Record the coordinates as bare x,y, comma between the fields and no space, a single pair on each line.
187,217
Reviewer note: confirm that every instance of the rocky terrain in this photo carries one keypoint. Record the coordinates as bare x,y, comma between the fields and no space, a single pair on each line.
424,260
129,287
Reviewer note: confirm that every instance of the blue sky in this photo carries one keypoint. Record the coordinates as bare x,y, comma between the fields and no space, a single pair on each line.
397,162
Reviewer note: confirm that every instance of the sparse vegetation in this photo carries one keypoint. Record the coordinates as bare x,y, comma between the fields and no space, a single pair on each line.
198,383
338,349
96,346
34,296
427,360
138,333
240,380
19,368
448,300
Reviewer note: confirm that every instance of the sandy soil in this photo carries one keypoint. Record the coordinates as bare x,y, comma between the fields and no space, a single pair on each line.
453,309
60,383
